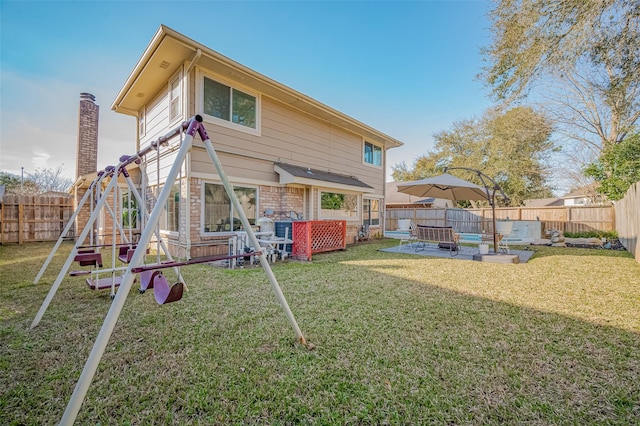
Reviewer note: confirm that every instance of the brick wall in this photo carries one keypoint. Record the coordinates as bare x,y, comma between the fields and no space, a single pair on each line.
278,199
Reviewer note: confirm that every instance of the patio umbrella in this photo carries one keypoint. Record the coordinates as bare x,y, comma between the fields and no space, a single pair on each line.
444,186
453,188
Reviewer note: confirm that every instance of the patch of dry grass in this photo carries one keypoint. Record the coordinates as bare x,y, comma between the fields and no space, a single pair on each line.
399,340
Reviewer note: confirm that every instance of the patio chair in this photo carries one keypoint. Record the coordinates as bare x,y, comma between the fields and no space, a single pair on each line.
503,230
409,239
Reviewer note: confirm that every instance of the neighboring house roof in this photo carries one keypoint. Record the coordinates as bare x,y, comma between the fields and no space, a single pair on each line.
393,197
169,49
302,175
543,202
587,191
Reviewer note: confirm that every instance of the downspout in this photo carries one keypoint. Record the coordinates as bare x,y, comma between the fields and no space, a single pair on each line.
193,61
188,206
187,103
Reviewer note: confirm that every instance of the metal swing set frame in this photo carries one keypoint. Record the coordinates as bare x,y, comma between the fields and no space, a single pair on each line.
191,127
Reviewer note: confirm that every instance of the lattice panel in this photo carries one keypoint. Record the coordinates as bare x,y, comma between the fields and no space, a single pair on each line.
318,236
327,235
301,241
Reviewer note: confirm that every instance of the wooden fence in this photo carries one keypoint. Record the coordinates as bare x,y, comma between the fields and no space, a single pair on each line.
562,218
34,218
628,220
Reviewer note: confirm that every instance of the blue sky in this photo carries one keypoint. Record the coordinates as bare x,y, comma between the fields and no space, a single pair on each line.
406,68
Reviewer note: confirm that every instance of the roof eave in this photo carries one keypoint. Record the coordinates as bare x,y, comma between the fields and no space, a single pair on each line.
272,88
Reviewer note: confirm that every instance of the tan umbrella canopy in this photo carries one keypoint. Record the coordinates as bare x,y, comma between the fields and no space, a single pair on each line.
444,186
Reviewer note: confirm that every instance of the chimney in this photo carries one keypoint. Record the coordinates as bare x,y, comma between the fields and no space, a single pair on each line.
87,155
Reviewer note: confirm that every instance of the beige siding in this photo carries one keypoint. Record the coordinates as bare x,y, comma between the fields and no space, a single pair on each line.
237,168
293,137
157,117
286,135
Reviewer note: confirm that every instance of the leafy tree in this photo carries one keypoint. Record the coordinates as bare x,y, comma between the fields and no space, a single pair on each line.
331,201
579,57
510,147
51,179
14,184
618,167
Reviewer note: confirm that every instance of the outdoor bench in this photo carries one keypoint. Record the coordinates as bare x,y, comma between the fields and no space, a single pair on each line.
442,237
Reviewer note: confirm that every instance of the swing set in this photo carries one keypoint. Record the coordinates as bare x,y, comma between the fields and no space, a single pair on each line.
151,276
91,254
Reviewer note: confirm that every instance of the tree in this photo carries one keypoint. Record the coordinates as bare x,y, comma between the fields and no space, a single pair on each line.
14,184
51,179
580,58
510,147
618,167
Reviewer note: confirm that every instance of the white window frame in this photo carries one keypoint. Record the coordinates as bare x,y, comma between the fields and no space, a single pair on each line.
228,123
379,200
373,147
175,79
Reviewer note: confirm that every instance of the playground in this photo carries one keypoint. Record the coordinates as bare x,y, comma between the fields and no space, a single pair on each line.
392,338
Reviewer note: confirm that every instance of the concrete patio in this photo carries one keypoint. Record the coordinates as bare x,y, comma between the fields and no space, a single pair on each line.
465,253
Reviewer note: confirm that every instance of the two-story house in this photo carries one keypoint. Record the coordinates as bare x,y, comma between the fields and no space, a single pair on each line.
287,155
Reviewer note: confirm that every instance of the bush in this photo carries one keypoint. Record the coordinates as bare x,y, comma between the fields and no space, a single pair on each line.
609,235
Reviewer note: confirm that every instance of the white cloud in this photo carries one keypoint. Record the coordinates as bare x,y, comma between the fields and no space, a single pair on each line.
39,125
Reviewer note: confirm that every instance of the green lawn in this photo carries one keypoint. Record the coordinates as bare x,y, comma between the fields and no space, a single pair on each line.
398,339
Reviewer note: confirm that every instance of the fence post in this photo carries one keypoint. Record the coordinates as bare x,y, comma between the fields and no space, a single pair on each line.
20,223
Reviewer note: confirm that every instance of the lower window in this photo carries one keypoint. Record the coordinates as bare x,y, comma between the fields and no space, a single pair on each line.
220,214
370,212
173,210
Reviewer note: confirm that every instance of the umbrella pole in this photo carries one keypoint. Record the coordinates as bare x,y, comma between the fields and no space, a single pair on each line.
495,235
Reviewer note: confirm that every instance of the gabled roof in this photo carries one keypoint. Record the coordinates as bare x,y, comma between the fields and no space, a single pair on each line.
307,176
543,202
169,49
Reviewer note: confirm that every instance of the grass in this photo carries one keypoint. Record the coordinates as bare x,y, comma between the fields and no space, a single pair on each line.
398,339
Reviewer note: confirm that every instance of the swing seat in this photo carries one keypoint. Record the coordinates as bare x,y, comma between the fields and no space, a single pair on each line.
125,253
163,292
89,259
146,280
103,283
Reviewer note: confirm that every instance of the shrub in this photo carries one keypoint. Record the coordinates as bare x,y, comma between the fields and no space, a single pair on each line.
609,235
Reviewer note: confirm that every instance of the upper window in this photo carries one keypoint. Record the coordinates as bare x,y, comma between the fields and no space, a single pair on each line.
372,154
142,128
175,100
229,104
219,212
